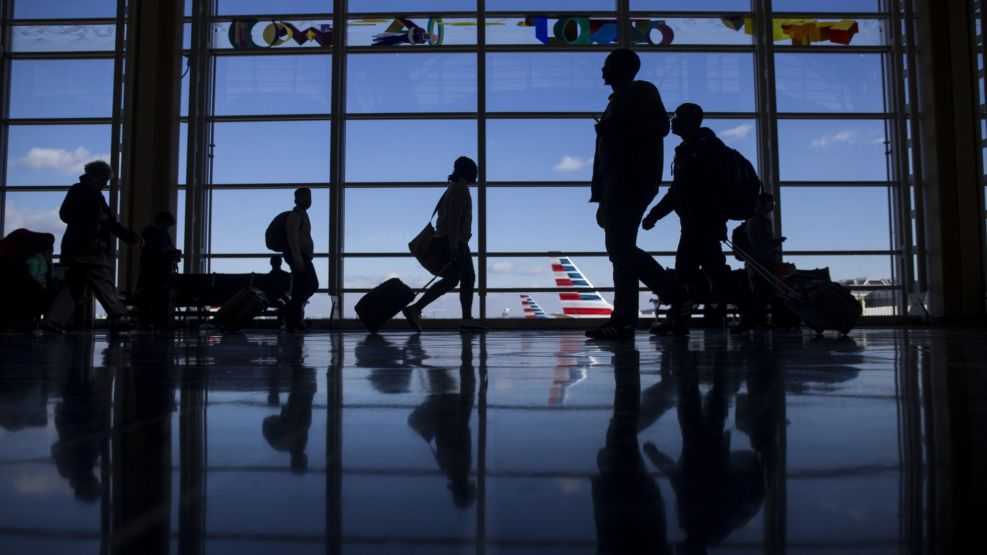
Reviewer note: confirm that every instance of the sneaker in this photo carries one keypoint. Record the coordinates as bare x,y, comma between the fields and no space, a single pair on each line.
611,331
470,326
676,322
414,317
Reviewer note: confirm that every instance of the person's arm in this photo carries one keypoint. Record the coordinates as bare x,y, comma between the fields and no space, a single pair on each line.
596,187
111,223
662,209
292,228
455,205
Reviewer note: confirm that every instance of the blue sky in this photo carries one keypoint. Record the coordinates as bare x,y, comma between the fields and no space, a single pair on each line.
519,150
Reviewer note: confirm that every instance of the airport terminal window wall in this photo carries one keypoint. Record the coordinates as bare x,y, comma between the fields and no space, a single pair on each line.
59,67
516,89
512,86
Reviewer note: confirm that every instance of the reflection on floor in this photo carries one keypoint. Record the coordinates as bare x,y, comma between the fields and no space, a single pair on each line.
513,442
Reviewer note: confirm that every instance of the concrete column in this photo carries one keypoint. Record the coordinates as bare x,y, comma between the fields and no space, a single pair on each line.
952,180
152,104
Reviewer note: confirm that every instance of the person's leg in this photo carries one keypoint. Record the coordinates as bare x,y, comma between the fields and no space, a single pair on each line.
308,286
450,278
467,281
620,234
100,280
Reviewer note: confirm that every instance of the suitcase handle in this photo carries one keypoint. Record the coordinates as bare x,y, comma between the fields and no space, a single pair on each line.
759,268
435,277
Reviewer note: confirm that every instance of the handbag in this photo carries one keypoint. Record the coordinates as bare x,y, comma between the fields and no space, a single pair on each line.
421,246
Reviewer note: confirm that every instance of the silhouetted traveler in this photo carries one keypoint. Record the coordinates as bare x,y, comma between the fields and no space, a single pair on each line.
87,250
698,173
756,237
299,254
444,417
278,288
453,230
627,504
159,262
626,173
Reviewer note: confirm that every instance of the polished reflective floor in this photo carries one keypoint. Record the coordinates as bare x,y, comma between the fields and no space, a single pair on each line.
513,442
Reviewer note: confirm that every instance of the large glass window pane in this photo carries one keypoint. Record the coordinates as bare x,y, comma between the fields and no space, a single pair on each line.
809,214
691,5
832,150
262,265
61,88
408,6
366,273
570,30
828,6
64,9
540,150
536,272
828,32
411,83
271,152
240,7
37,211
829,82
847,268
407,150
410,32
241,216
54,154
717,82
273,84
546,82
63,38
384,220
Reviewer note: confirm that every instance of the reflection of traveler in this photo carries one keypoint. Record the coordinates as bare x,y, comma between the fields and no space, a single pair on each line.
159,259
87,250
82,421
453,230
627,504
389,372
299,252
26,276
626,173
698,173
444,417
717,490
288,431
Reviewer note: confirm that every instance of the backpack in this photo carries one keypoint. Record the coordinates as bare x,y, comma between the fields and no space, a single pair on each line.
276,236
741,186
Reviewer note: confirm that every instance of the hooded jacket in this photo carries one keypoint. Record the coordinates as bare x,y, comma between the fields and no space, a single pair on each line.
698,173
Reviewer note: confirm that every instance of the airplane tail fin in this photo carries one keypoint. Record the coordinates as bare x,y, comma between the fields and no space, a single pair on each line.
581,304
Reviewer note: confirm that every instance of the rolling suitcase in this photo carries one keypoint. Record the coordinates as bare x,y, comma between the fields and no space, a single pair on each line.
825,305
240,310
384,302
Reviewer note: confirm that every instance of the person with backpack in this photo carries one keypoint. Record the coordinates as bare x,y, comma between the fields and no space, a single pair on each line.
158,263
627,170
453,230
700,173
290,233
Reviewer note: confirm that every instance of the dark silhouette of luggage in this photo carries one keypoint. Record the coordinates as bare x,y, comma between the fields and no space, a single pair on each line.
383,303
741,188
387,299
240,310
819,302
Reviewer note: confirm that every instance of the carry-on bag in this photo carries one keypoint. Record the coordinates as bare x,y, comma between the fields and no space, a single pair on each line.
384,302
825,305
240,310
421,246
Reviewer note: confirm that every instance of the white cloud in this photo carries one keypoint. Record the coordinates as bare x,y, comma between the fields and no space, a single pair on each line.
501,268
846,136
68,162
737,133
570,164
42,221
